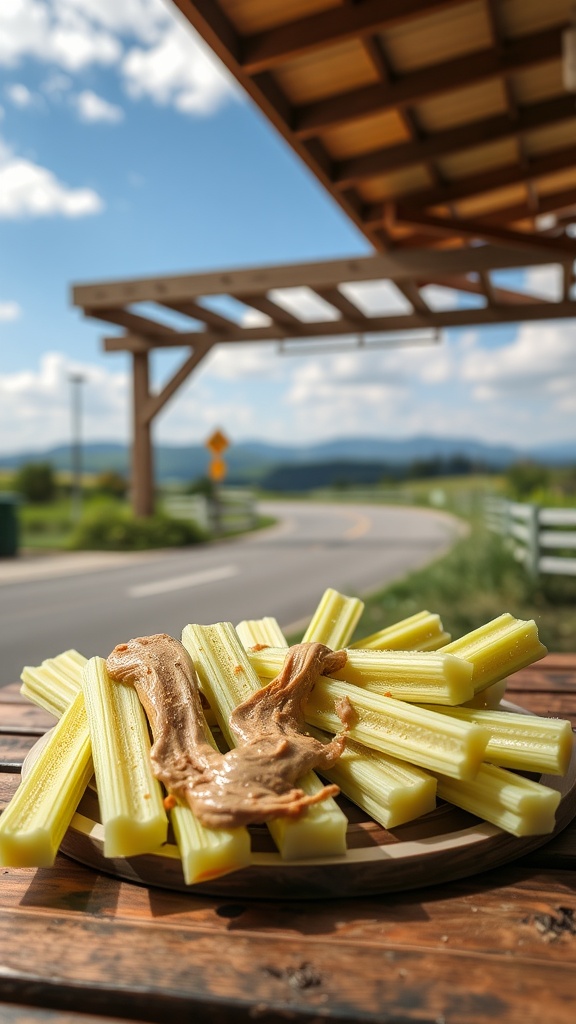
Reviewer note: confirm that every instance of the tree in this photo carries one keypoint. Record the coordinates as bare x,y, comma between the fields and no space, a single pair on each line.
36,482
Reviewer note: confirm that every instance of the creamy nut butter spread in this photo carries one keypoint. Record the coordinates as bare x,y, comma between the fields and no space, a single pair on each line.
256,780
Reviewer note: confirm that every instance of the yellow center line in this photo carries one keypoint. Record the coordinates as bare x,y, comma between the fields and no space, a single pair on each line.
359,528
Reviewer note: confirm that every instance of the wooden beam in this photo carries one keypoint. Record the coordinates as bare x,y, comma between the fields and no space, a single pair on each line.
440,144
348,310
411,292
157,402
131,321
488,288
567,280
142,459
502,296
207,316
476,231
395,265
505,313
281,318
478,184
521,53
276,46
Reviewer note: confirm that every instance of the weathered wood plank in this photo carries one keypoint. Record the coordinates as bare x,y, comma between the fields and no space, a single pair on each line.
12,1014
9,782
26,717
491,962
13,750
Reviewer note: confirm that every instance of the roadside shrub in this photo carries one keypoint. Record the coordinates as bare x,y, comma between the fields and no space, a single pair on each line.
111,483
36,482
114,529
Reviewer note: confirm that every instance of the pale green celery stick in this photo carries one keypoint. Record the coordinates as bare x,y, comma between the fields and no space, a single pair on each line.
420,632
334,620
525,742
498,648
424,738
430,677
490,698
261,631
38,815
204,852
207,853
130,798
390,791
227,679
510,801
54,684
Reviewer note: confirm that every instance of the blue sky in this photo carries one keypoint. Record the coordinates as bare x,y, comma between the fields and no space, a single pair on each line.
126,150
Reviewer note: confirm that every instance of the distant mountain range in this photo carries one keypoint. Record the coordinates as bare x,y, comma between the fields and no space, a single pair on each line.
252,461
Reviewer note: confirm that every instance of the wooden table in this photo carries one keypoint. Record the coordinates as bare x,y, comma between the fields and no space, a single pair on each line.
77,945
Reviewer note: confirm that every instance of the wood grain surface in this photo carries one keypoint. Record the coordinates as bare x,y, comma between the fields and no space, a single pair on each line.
499,945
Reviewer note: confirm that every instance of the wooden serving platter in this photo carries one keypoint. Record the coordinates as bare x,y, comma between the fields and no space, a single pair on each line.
439,847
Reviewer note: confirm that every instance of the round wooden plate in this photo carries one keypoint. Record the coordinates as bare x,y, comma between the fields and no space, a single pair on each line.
441,846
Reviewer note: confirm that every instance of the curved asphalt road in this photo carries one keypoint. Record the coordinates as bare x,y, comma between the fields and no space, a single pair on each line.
91,601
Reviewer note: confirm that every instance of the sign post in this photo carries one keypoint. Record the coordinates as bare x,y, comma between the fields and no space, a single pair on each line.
217,444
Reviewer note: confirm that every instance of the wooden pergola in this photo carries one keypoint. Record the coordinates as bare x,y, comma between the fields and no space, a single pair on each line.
444,131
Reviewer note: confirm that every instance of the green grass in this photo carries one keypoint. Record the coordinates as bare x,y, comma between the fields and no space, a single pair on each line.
474,583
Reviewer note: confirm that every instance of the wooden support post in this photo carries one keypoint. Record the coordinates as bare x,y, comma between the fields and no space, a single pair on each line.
142,471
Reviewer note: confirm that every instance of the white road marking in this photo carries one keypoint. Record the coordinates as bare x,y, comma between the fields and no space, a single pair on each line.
193,579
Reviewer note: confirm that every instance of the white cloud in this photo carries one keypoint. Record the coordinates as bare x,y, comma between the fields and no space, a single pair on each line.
156,52
93,108
10,311
20,95
35,404
29,190
180,71
540,358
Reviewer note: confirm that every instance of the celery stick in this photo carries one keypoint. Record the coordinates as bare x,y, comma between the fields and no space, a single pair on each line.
515,804
205,852
36,819
420,632
425,738
390,791
498,648
54,684
431,677
334,620
525,742
261,631
130,798
226,678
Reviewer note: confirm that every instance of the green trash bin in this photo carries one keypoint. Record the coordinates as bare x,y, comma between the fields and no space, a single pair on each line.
8,525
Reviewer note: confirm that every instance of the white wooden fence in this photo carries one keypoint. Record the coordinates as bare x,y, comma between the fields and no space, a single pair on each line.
235,510
540,538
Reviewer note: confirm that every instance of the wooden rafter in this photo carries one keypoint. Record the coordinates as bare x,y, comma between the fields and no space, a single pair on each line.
475,230
520,54
268,49
452,140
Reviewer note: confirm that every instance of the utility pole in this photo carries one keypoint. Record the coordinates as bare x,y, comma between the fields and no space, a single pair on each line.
76,381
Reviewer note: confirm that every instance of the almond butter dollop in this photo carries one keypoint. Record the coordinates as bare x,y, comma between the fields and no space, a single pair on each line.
256,780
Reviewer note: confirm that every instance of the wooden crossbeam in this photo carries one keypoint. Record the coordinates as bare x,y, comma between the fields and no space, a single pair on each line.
396,265
502,296
519,54
281,318
131,321
477,184
452,140
474,230
207,316
505,313
276,46
348,310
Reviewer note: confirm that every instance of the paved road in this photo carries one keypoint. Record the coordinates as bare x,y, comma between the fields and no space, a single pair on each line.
92,601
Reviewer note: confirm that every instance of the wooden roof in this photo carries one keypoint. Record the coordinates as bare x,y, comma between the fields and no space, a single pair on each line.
432,123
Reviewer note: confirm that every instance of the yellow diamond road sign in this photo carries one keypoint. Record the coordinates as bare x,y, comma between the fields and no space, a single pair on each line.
217,443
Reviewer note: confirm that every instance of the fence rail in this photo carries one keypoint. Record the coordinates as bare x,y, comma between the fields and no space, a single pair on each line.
526,529
234,510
